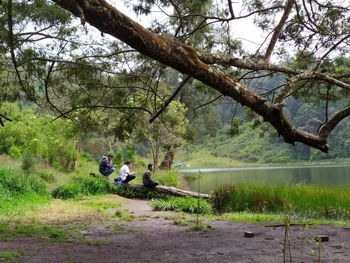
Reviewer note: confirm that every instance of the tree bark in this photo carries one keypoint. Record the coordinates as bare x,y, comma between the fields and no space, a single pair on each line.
168,159
169,190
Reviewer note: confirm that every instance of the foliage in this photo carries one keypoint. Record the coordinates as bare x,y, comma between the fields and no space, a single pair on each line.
32,136
18,191
168,178
297,200
143,193
67,191
50,232
184,204
82,186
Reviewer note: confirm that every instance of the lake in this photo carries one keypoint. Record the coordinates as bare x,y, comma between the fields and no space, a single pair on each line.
332,175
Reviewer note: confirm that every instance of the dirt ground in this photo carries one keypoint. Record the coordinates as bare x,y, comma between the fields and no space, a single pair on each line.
153,237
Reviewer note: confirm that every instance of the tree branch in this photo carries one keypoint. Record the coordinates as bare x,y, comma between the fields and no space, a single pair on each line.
188,61
278,29
170,99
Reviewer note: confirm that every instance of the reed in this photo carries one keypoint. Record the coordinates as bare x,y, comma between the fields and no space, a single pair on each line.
298,200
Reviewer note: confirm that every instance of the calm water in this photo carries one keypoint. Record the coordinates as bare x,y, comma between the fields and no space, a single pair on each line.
317,175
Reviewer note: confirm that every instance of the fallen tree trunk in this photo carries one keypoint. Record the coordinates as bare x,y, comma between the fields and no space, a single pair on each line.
168,190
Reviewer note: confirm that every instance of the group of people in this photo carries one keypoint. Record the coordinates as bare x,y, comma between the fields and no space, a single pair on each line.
125,176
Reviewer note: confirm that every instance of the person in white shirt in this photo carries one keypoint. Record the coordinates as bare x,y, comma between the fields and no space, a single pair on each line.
125,176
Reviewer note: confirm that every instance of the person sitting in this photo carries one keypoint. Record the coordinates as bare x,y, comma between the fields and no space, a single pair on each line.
146,178
125,176
106,168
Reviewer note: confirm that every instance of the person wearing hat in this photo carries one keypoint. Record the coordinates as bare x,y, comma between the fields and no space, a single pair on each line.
106,168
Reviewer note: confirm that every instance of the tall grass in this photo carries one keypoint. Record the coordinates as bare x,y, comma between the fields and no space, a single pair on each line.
84,185
298,200
168,178
185,204
17,192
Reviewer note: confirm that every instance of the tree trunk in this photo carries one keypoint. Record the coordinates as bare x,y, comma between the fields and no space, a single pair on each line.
168,159
169,190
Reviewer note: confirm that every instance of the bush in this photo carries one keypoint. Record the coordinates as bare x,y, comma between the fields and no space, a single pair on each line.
94,185
67,191
184,204
20,190
28,162
84,185
168,178
47,177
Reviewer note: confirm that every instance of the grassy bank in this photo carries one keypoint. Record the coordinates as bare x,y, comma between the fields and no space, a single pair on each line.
301,201
202,158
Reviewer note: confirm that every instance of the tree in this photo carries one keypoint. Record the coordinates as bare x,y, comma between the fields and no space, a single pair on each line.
319,32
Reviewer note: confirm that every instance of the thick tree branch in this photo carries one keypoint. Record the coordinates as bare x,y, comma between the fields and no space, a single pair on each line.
326,128
170,99
263,65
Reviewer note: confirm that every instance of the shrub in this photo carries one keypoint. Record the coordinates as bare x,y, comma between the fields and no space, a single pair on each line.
17,191
28,163
67,191
47,177
94,185
84,185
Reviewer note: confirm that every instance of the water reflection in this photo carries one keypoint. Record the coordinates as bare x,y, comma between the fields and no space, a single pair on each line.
325,176
301,176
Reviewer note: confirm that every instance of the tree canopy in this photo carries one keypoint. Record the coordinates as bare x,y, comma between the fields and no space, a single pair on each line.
305,45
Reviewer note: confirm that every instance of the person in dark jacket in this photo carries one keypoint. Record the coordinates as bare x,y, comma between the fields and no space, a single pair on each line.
106,168
146,178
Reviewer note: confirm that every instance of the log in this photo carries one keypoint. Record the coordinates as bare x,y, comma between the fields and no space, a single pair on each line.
168,190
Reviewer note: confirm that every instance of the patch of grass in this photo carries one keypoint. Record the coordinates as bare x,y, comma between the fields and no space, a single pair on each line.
47,232
300,201
118,229
10,255
200,227
125,215
184,204
19,192
88,210
204,159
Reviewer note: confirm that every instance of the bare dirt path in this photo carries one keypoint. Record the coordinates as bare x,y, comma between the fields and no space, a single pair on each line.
154,237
